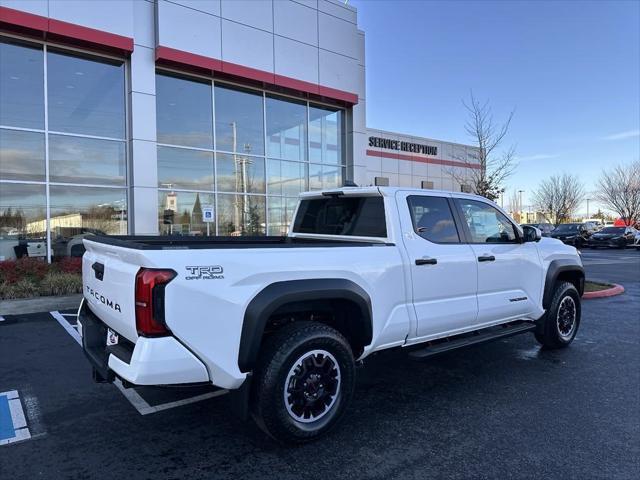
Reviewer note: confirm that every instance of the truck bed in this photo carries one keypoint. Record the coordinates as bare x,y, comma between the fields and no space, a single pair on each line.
186,242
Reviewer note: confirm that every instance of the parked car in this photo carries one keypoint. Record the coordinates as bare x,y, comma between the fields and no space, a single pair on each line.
281,321
598,223
636,242
614,237
545,228
575,234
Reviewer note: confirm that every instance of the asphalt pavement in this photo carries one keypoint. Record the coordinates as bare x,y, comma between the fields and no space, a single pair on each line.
502,410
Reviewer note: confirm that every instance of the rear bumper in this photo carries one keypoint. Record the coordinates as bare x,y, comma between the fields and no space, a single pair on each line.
150,361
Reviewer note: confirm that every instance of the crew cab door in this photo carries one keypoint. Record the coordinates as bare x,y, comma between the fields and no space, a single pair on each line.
443,268
509,271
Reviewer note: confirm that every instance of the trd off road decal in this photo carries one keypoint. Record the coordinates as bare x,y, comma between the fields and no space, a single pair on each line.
211,272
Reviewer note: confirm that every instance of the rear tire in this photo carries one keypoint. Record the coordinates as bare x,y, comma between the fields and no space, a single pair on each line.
303,383
560,324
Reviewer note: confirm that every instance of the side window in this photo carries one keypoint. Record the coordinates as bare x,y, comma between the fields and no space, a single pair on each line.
432,219
486,224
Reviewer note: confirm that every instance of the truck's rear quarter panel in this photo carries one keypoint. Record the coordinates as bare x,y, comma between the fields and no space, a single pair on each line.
206,314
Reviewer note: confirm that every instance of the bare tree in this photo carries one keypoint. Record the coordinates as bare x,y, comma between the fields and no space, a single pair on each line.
558,197
514,205
618,189
488,169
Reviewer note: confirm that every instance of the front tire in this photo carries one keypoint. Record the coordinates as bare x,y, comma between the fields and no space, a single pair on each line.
560,324
303,383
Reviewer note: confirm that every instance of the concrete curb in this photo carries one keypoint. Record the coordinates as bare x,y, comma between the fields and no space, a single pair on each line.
609,292
22,306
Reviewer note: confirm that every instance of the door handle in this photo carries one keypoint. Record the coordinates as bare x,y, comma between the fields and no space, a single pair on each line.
486,258
426,261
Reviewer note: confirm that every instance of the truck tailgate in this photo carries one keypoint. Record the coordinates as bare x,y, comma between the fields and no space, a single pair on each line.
108,277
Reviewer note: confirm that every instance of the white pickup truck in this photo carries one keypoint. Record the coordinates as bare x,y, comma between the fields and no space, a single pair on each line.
281,321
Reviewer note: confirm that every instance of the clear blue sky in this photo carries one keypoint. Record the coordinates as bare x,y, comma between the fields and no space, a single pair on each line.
571,71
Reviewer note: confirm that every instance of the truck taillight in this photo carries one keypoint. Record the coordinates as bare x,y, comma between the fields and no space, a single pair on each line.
149,295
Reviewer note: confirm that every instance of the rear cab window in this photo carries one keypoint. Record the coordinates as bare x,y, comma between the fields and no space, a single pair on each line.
342,215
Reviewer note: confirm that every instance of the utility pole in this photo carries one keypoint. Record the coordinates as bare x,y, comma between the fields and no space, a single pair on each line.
520,206
588,199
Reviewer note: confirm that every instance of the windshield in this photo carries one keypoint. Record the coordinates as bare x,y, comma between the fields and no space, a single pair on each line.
567,227
618,230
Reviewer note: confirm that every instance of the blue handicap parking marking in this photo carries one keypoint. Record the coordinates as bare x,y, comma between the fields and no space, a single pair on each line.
6,423
13,424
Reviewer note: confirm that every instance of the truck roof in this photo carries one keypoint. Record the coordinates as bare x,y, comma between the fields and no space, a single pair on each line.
389,192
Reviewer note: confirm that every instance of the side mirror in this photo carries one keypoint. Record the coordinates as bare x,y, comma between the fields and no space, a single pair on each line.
531,234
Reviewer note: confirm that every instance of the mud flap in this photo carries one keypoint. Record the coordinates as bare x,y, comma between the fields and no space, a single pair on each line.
240,398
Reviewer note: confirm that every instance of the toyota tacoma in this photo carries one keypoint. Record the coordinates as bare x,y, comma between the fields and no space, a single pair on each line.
282,321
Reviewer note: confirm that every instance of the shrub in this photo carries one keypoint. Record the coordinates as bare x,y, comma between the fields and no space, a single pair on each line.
60,283
24,268
68,265
30,277
8,272
21,289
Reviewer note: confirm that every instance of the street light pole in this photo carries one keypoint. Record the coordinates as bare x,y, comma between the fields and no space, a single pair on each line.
588,207
520,206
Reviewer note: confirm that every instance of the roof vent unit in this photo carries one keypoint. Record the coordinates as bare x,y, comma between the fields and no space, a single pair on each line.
382,181
426,184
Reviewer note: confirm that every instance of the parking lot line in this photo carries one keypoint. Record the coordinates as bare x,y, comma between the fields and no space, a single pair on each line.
186,401
67,326
134,398
13,425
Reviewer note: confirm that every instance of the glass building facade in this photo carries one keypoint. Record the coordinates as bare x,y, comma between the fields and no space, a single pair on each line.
245,153
63,155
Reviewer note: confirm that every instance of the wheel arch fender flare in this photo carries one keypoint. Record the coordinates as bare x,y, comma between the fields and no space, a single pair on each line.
277,294
555,270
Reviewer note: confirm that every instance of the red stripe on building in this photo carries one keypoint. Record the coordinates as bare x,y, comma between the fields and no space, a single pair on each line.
173,57
299,85
434,161
64,32
15,18
189,61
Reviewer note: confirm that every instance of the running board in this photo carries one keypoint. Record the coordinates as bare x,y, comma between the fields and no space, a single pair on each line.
443,345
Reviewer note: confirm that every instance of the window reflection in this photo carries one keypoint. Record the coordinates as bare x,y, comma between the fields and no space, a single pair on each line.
180,213
184,112
240,173
326,135
21,86
286,129
324,176
183,168
80,211
286,178
22,155
239,121
85,96
280,211
86,160
241,215
22,221
232,161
